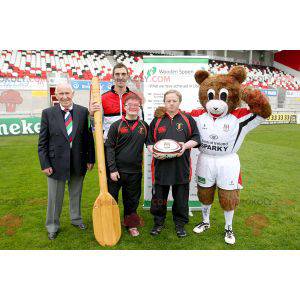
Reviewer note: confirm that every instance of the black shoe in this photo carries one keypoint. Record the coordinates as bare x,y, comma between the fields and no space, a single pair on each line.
180,231
81,226
52,235
156,229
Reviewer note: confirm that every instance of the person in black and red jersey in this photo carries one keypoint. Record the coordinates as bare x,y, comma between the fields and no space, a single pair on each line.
124,154
175,172
113,100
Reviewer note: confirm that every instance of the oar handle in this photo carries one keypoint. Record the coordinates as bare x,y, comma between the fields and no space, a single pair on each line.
99,140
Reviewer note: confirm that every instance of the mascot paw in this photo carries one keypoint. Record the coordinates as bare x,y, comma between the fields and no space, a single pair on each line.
258,102
160,112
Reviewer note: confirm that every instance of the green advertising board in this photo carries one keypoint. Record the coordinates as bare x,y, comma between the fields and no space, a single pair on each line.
19,126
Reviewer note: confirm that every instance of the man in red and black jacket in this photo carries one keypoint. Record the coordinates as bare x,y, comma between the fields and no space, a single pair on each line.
113,100
124,154
175,172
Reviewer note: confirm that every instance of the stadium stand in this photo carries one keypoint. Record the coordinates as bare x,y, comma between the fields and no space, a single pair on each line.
85,64
282,89
259,76
134,62
33,63
289,58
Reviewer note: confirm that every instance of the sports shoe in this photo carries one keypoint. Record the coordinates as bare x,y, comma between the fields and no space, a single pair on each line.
229,236
133,231
201,227
180,231
156,229
80,226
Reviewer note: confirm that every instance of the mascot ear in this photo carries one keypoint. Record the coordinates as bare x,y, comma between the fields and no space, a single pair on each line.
239,73
200,76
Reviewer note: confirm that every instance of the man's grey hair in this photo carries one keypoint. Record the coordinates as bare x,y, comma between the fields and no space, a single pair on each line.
177,93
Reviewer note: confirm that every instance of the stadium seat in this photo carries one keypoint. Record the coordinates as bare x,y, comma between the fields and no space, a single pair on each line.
84,64
259,76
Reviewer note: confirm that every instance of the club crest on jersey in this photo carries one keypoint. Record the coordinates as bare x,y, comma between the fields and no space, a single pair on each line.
179,126
213,136
124,130
162,129
141,130
204,126
226,127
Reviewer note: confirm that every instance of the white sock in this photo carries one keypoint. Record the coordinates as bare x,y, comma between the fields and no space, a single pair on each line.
228,219
206,212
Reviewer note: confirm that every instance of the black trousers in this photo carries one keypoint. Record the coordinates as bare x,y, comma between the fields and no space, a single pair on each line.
180,208
131,190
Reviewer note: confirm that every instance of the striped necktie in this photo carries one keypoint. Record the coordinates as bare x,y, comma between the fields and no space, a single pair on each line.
69,124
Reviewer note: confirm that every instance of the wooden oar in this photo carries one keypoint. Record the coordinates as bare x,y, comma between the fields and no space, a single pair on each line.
106,214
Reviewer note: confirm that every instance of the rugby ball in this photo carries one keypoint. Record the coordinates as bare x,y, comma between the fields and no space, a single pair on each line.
166,148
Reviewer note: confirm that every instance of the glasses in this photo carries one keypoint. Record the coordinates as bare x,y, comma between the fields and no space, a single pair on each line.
132,105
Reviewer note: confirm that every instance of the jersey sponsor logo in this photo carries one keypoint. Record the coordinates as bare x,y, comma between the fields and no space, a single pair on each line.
141,130
201,180
124,130
226,127
204,126
214,148
162,129
179,126
213,136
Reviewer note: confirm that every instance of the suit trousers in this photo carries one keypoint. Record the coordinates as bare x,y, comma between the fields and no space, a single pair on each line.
56,191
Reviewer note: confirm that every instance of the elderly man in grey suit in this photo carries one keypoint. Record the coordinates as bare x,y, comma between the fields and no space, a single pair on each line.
66,151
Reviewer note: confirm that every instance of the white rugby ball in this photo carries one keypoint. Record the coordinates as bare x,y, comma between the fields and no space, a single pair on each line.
166,148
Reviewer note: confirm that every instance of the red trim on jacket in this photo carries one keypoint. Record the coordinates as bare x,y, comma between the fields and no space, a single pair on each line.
241,112
197,112
111,102
152,171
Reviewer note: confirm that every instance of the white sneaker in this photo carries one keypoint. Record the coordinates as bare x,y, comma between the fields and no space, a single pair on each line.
201,227
229,237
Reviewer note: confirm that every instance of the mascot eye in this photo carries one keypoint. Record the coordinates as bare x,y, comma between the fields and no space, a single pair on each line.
210,94
223,94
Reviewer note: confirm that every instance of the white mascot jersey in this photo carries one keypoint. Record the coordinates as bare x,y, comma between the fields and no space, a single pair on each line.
224,135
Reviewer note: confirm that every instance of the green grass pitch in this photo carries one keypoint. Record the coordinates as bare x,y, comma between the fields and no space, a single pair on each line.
268,216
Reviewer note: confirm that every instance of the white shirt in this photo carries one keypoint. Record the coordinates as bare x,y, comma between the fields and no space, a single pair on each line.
63,108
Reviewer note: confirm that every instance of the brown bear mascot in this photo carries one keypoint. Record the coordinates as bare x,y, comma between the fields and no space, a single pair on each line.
223,125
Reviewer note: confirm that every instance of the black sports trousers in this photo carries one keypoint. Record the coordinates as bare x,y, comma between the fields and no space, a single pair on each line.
180,208
131,190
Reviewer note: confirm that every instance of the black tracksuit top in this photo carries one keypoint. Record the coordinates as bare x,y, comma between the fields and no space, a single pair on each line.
181,128
125,144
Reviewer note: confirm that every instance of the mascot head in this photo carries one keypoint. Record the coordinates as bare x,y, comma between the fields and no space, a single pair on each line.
220,94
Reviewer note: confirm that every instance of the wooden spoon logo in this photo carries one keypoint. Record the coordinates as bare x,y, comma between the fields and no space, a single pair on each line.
257,222
11,222
11,98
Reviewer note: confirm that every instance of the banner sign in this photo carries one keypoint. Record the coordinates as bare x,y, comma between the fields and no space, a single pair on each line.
270,93
292,94
19,126
35,84
84,85
38,84
282,118
162,73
